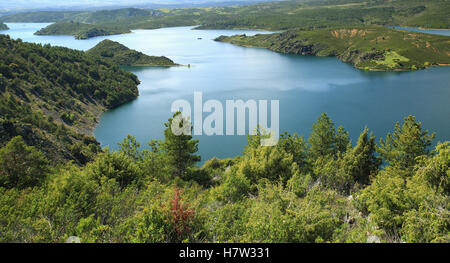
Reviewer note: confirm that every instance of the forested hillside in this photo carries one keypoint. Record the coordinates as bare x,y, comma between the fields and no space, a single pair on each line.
80,30
121,55
79,16
52,97
320,189
371,48
333,13
3,26
280,15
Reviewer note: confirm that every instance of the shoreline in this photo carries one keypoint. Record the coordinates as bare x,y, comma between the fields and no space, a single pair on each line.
152,65
423,28
359,68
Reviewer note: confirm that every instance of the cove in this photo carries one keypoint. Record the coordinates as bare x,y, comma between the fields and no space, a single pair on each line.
305,87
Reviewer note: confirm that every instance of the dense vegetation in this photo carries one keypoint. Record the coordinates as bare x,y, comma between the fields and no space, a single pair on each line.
80,30
371,48
334,13
79,16
52,97
281,15
320,189
3,26
56,182
121,55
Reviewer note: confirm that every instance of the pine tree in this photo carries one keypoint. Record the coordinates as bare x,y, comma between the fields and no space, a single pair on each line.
130,147
295,145
405,144
322,140
21,165
436,169
342,140
180,149
361,162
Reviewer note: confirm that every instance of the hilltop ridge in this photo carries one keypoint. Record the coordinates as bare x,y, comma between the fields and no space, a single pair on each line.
81,30
122,55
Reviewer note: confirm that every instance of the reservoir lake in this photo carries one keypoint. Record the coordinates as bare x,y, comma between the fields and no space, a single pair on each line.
305,86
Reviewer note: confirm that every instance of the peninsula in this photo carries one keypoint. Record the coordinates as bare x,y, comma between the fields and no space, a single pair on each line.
121,55
3,26
370,48
81,30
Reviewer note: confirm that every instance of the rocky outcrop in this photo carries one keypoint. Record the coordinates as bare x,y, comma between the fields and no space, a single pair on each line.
299,48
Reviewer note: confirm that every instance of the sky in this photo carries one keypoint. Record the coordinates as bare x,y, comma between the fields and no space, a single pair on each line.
42,4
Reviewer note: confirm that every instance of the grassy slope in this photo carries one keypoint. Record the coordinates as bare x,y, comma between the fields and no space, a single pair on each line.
52,97
80,30
374,48
434,16
316,14
42,17
79,16
121,55
309,15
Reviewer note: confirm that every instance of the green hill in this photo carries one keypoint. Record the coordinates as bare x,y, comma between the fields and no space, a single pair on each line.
119,14
371,48
121,55
79,16
43,17
3,26
53,96
277,15
80,30
287,15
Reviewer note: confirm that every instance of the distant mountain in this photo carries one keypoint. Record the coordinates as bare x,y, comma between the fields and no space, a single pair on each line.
53,5
80,16
121,55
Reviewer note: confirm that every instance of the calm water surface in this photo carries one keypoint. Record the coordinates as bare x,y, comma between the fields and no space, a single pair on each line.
445,32
305,86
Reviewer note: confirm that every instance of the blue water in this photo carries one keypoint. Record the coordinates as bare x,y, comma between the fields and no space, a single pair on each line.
305,86
445,32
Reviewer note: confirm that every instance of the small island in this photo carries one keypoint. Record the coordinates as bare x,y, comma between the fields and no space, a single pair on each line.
121,55
369,48
3,26
81,30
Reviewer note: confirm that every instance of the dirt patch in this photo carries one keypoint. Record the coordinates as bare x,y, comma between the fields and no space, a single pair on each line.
346,33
